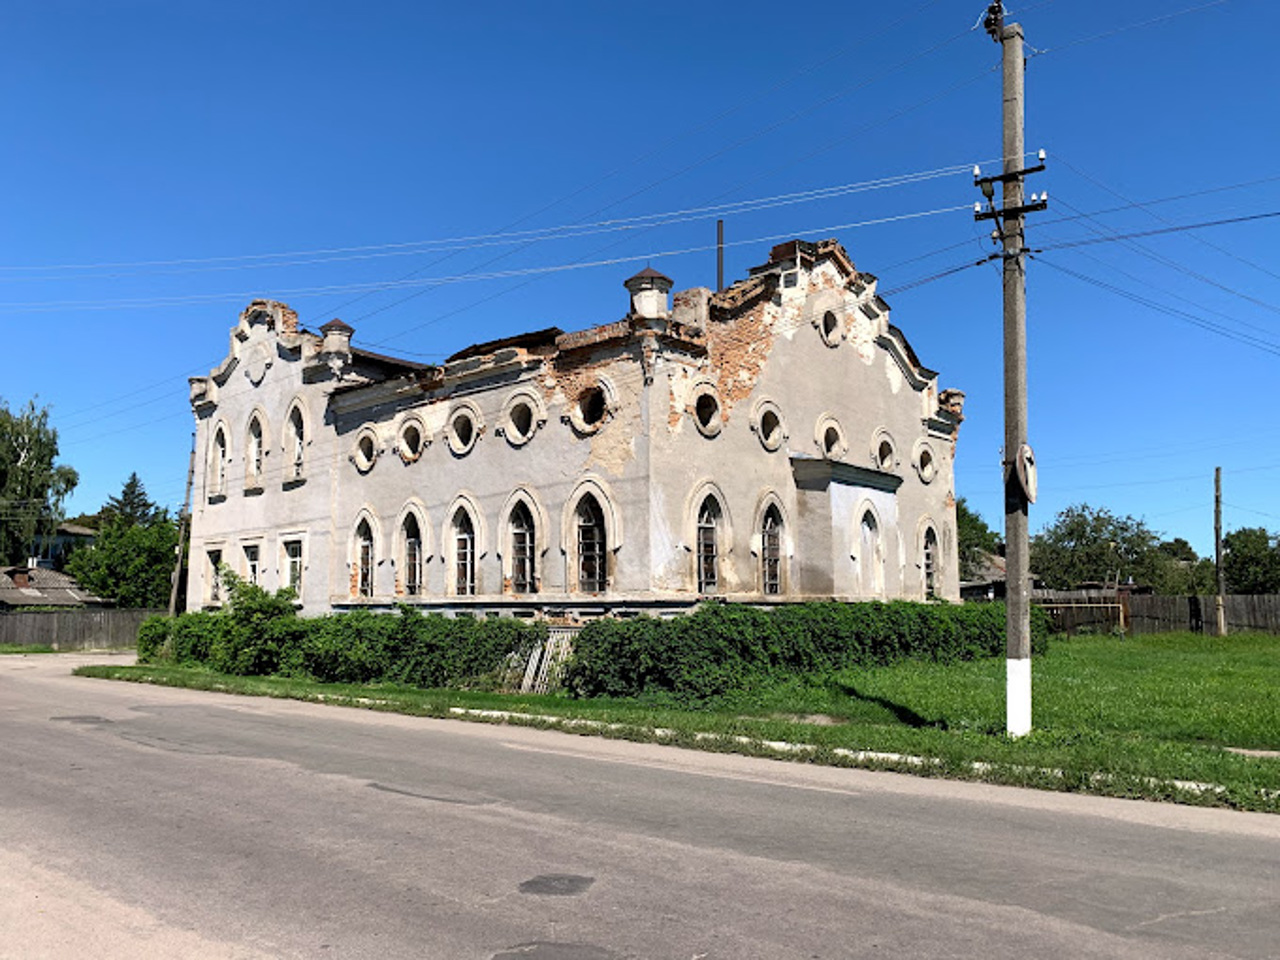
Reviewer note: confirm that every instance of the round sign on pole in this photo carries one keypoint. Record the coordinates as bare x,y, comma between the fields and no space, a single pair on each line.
1025,464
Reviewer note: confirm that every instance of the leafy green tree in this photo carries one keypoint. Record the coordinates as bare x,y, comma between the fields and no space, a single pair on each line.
1087,543
32,485
974,540
129,563
1251,561
132,560
132,505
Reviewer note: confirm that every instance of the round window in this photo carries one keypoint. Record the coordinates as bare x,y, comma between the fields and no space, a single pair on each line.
464,430
884,455
831,441
706,413
592,406
926,465
770,429
830,329
366,452
410,442
767,423
521,421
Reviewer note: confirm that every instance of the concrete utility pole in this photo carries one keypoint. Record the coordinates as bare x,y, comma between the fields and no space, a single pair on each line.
1219,601
1019,462
184,519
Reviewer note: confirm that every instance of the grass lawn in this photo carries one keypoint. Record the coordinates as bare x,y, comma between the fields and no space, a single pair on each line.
1146,717
25,648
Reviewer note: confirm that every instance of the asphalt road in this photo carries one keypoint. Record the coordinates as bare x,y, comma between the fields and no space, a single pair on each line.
148,822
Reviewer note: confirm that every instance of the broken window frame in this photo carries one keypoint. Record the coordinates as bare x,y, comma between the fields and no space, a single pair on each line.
592,543
464,554
215,575
707,548
929,563
523,550
364,559
298,438
293,565
411,531
771,552
252,563
255,454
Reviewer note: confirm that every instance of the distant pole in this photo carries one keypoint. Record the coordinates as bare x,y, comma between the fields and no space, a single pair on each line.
184,519
719,255
1019,463
1219,601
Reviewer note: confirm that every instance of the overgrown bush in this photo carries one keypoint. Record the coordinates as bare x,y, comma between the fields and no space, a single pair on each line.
720,648
723,647
258,633
153,634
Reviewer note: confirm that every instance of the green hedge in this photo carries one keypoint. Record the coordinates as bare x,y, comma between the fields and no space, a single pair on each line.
725,647
720,648
259,634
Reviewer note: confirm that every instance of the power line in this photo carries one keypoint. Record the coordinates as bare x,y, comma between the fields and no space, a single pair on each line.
1144,206
1247,339
1182,269
608,206
1132,26
1247,218
478,241
1166,262
462,277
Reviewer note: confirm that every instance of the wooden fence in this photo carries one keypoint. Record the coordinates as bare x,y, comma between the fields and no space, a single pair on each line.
77,629
1106,611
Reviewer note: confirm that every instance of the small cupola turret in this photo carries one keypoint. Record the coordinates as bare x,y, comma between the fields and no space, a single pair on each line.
336,349
649,290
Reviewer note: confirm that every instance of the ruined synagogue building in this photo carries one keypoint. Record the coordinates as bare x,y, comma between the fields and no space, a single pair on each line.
778,440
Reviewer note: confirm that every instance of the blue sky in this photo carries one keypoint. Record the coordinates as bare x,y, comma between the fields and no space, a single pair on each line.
167,162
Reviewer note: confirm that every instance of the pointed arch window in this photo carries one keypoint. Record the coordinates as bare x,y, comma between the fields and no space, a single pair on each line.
364,559
523,551
592,546
871,557
771,552
930,564
411,532
708,546
219,462
464,554
254,455
297,439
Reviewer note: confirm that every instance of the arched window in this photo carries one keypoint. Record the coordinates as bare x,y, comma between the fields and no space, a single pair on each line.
523,551
253,456
771,552
592,575
871,557
297,439
412,534
930,564
708,545
464,554
364,559
219,465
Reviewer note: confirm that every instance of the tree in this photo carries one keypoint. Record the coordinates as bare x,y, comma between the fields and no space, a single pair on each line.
133,506
1178,549
1251,561
132,559
974,540
1086,544
32,485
